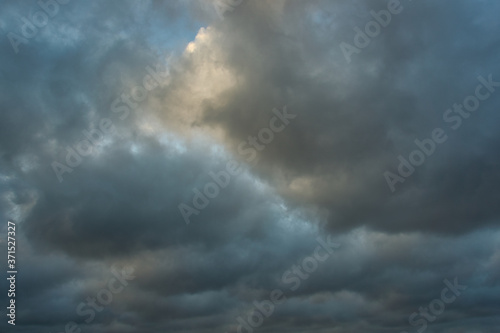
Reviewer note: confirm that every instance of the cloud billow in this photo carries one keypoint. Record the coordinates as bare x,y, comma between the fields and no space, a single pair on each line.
323,175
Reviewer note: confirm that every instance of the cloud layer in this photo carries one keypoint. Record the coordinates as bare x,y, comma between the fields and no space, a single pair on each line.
221,68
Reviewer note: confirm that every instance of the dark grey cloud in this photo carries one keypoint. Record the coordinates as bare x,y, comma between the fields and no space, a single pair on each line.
357,119
322,176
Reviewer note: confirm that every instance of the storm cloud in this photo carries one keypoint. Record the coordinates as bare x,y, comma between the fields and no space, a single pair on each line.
117,115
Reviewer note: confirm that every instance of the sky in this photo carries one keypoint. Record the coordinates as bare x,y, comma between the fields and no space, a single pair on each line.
250,166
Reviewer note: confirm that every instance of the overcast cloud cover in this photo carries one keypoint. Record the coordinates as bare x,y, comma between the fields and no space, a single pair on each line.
222,71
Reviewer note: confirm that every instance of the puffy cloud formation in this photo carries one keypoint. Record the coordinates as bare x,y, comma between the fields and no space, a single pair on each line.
244,166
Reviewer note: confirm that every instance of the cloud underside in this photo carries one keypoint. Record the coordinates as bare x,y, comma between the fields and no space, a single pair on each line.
322,175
